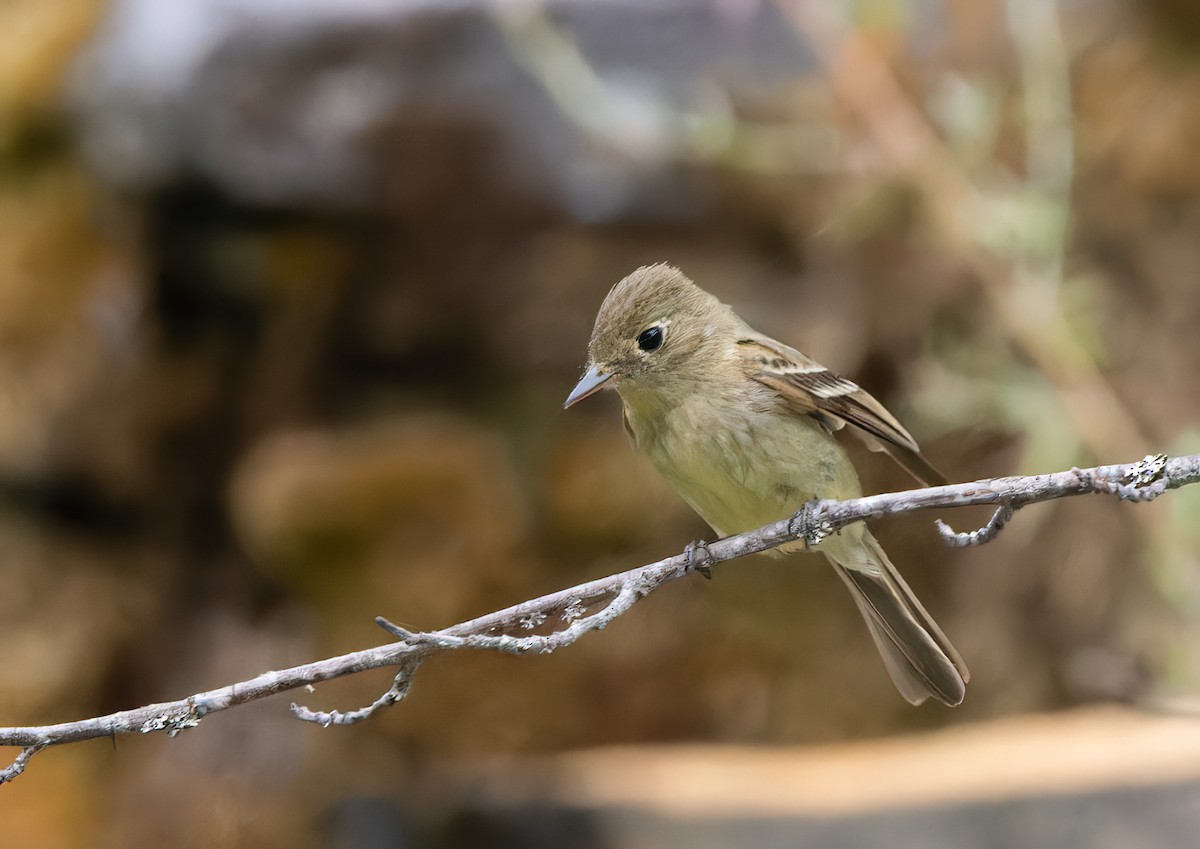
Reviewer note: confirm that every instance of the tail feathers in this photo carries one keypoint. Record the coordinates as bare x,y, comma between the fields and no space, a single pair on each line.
919,659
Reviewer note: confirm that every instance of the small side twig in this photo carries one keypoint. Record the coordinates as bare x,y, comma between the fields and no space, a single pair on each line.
19,763
987,533
401,684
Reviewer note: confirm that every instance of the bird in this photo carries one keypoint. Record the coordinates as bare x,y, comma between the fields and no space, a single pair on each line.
743,428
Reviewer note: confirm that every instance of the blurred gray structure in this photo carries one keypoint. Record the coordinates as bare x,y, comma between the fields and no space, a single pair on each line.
342,105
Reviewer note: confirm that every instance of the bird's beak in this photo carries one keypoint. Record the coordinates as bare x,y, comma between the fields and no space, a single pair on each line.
593,381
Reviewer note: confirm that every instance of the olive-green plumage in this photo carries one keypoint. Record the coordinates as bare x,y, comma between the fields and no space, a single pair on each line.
742,427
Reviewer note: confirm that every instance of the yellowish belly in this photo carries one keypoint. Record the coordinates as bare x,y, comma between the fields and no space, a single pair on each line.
741,471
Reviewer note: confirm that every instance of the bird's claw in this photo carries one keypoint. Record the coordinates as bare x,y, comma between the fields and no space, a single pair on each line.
699,558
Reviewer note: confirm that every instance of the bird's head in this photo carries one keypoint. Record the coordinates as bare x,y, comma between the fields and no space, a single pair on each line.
654,325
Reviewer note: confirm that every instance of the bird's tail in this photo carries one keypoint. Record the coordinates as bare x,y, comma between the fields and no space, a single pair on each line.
918,657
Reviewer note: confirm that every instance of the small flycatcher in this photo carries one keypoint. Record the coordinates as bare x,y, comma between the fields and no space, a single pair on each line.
743,428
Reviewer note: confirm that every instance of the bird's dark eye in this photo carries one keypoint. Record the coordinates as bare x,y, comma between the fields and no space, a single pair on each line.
650,339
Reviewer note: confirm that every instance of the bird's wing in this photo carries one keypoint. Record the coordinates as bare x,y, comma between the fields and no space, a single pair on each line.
811,389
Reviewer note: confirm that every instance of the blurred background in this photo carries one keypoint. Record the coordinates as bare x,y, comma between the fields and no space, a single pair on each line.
292,291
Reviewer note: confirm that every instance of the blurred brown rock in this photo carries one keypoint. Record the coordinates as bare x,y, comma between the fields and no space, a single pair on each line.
421,515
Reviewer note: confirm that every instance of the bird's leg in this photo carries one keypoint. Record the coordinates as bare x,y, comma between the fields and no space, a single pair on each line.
699,559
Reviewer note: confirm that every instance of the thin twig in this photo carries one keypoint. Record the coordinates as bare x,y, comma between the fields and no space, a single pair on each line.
977,537
20,761
399,689
569,614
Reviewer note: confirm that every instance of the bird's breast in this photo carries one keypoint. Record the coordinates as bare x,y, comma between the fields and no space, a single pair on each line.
737,465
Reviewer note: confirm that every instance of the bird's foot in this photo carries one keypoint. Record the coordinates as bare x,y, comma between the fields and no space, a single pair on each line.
699,558
808,524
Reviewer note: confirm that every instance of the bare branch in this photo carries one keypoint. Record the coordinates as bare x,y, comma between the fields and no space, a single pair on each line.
545,624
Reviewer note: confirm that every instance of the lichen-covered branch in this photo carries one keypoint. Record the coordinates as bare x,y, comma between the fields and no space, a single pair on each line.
556,620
